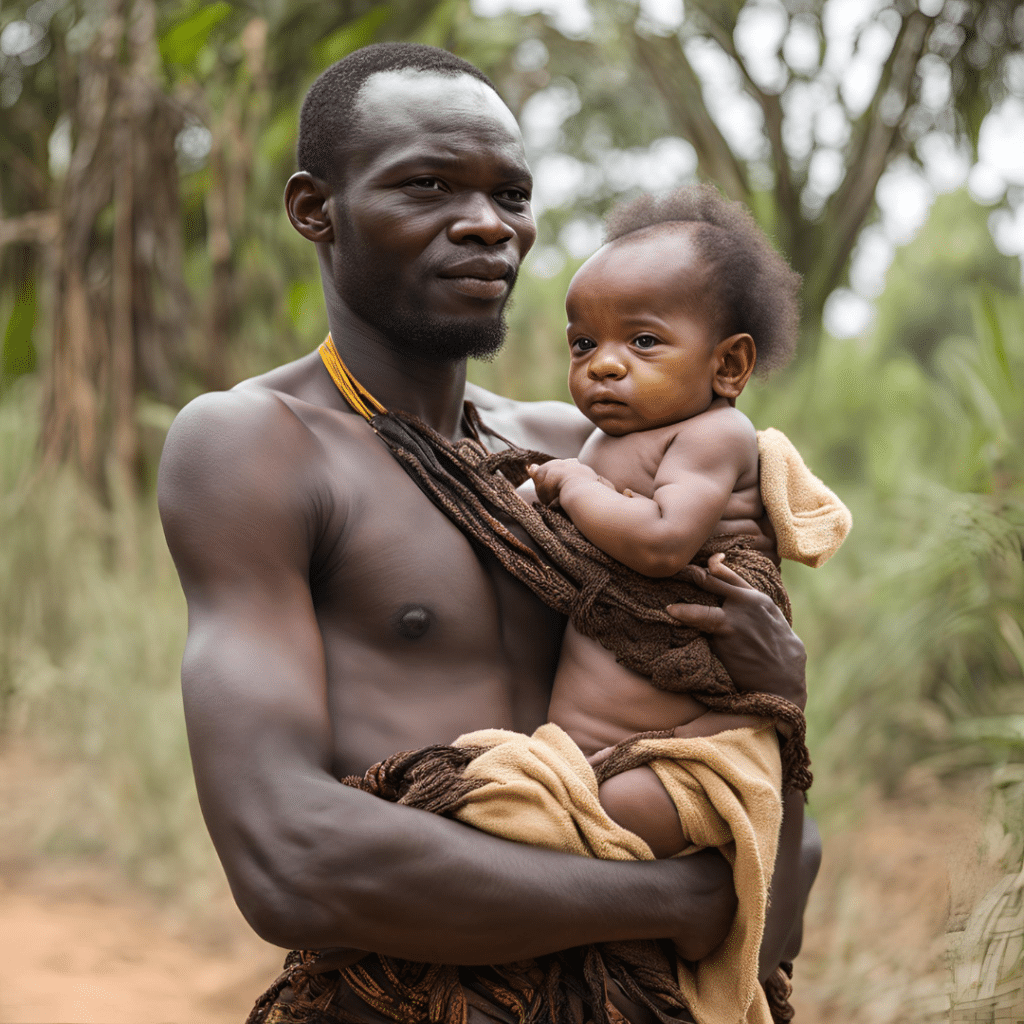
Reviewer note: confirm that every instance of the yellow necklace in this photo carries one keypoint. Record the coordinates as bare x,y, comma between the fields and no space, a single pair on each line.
351,390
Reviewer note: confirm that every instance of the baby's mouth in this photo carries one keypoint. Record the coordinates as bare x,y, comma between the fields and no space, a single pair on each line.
605,400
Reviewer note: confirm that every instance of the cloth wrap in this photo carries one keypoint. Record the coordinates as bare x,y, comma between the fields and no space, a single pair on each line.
541,790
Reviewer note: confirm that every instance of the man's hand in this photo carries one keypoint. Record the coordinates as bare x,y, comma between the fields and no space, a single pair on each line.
719,907
749,634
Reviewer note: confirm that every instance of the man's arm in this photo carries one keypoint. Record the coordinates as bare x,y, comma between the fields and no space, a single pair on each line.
313,863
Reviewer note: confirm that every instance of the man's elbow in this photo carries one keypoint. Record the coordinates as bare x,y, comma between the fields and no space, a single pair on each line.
282,916
273,918
305,906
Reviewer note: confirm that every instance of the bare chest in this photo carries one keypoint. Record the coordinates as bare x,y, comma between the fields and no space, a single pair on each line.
631,460
424,637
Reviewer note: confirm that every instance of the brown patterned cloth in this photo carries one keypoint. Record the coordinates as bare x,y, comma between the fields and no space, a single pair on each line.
570,987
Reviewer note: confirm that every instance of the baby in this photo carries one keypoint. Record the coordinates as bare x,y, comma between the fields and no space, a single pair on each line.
666,322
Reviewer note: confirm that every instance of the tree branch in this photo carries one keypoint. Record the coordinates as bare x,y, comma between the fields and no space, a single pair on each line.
786,198
850,204
38,227
680,88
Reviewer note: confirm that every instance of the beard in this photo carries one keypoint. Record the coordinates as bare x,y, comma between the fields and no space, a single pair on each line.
437,337
414,331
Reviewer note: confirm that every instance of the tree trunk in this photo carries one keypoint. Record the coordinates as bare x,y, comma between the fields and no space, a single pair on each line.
119,301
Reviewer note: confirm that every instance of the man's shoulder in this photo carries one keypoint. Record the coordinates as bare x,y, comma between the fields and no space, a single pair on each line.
221,426
248,447
557,428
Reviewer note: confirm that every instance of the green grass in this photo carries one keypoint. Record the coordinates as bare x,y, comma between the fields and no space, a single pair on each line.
92,626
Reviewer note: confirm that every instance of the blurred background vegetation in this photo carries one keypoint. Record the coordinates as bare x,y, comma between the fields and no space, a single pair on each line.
145,258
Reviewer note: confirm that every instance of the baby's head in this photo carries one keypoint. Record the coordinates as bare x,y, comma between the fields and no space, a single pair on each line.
674,310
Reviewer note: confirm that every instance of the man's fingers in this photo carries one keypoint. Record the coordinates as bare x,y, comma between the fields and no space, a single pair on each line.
706,618
719,570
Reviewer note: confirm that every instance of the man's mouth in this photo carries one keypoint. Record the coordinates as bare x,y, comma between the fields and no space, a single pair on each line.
480,278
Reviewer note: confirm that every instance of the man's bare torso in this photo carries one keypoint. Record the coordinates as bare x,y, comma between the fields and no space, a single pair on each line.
423,638
595,699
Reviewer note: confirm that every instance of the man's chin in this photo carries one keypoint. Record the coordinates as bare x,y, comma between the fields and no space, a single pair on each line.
446,338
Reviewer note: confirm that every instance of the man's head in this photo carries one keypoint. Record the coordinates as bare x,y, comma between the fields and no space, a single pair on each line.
420,204
666,315
328,122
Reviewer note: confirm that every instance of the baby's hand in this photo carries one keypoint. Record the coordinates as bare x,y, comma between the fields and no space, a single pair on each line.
551,477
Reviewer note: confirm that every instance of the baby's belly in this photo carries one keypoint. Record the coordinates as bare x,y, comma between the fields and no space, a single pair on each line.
599,703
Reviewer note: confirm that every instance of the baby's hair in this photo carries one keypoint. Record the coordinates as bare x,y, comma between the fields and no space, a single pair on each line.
756,290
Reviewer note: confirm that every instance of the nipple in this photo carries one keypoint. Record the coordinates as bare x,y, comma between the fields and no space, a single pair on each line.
413,621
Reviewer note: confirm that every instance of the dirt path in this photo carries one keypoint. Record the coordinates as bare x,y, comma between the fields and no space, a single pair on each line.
96,955
78,949
875,943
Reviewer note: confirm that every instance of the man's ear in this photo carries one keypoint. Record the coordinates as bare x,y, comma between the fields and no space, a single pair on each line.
734,359
305,199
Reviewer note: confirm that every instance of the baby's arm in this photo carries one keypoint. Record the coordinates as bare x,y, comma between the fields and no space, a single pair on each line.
658,536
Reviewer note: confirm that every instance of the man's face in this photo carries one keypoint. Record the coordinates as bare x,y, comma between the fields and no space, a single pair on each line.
434,217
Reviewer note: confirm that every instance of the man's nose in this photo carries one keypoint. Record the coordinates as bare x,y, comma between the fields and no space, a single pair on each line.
479,221
606,365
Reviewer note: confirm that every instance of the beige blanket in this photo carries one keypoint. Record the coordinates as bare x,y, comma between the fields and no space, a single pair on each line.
810,521
540,790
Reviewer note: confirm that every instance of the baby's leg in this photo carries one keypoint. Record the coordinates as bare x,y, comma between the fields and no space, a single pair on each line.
636,800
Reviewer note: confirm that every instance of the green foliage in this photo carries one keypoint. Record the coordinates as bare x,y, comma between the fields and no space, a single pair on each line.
935,284
19,352
182,44
348,38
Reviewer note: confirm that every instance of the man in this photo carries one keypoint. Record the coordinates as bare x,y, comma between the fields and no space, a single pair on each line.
336,616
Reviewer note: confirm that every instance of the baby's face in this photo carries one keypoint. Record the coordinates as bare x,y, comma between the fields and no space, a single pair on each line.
640,337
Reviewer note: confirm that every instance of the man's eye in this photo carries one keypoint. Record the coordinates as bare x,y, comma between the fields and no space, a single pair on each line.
646,341
432,184
514,195
582,345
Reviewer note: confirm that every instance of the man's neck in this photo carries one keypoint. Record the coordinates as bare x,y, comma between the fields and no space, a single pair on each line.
433,391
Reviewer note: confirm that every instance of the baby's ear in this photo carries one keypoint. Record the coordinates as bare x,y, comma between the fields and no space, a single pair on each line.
734,359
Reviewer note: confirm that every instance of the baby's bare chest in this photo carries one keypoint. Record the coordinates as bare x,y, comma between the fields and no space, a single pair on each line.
629,461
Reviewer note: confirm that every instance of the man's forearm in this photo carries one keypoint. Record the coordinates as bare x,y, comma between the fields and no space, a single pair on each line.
796,866
403,882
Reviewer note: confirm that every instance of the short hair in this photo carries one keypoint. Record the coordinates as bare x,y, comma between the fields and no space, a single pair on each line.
328,116
756,290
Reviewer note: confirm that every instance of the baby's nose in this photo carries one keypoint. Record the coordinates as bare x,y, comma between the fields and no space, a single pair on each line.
605,365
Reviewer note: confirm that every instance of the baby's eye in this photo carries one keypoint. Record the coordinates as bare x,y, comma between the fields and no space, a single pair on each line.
645,341
582,344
